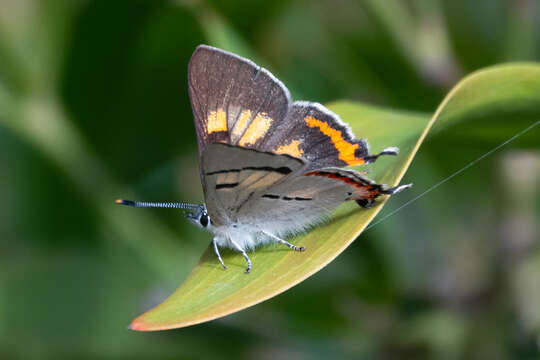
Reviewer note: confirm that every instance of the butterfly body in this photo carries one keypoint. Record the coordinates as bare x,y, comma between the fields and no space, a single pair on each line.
269,167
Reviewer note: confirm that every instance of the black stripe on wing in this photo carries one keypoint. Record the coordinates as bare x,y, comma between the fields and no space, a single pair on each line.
226,186
286,198
281,170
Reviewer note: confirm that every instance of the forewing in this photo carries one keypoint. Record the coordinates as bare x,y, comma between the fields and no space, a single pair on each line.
235,176
234,101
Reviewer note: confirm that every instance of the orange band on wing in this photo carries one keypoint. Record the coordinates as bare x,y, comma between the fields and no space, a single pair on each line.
345,149
256,130
292,148
240,126
365,191
217,121
336,176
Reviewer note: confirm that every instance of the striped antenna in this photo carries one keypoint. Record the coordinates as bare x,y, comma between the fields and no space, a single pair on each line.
184,206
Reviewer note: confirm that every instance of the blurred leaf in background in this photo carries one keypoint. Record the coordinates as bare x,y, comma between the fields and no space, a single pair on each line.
94,106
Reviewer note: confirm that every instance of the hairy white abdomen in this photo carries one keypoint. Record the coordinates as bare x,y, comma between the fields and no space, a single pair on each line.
248,236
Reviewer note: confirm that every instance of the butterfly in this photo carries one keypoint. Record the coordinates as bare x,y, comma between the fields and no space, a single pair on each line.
269,167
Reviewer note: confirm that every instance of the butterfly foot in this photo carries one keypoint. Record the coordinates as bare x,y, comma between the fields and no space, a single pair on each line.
293,247
248,269
286,243
248,260
244,254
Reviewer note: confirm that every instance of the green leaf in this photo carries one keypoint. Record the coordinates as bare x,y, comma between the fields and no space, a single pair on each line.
210,292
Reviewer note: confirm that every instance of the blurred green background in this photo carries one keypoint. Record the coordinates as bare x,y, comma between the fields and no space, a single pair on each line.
94,106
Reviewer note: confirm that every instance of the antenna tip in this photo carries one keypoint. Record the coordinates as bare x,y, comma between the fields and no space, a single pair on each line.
124,202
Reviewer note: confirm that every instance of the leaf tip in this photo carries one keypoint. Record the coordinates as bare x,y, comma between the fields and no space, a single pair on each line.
138,325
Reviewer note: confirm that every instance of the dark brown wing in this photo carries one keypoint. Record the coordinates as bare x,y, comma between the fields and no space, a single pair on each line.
234,101
239,103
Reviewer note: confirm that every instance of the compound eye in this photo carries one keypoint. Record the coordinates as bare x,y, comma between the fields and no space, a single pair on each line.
204,220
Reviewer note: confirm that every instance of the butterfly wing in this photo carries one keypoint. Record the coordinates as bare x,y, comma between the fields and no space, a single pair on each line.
236,176
247,128
316,134
234,101
305,198
275,191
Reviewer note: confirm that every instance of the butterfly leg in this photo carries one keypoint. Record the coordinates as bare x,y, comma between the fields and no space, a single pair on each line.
216,250
286,243
244,254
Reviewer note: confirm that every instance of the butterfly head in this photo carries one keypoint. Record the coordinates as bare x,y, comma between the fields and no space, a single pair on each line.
198,216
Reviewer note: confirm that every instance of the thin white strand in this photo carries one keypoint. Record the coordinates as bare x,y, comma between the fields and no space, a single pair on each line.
453,175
